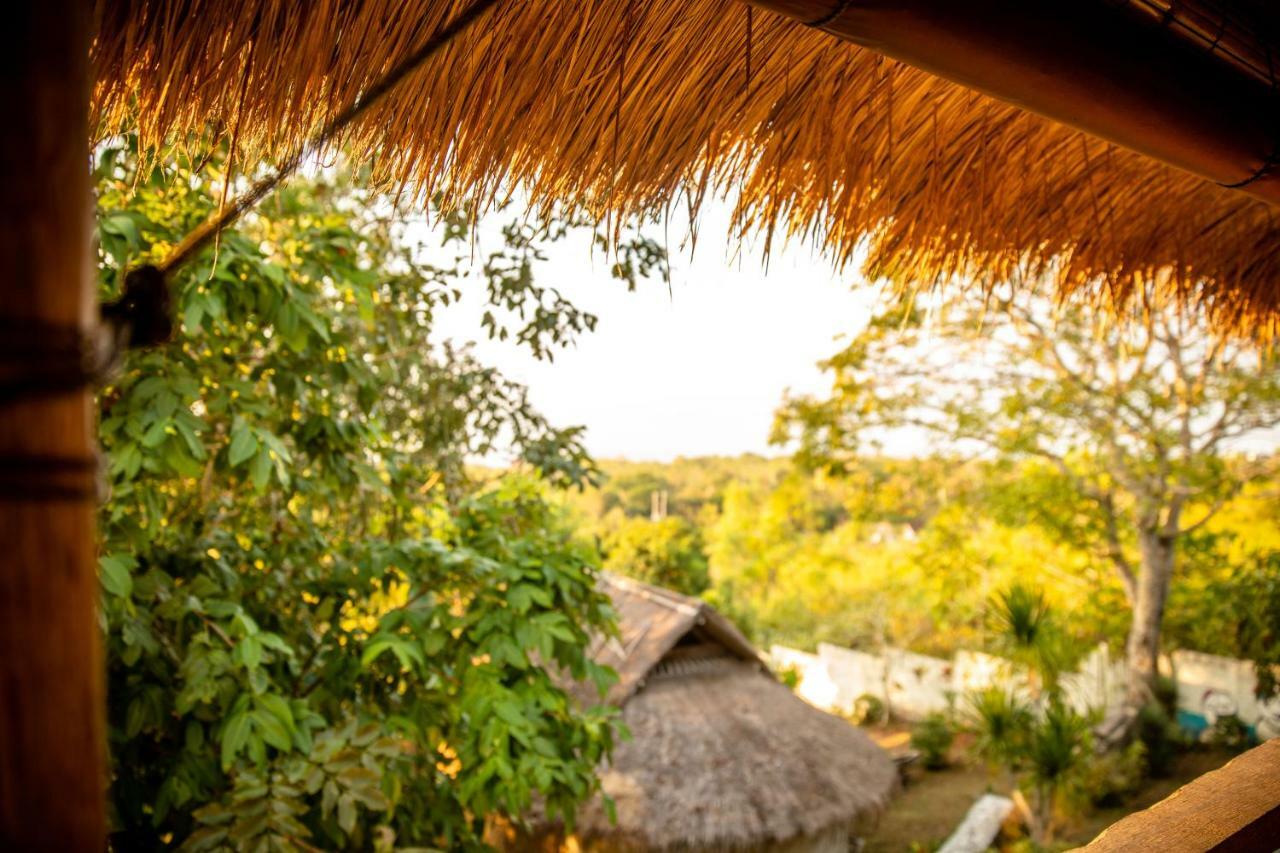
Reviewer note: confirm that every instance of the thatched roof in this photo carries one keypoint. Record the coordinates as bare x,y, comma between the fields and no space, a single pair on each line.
630,107
651,621
721,755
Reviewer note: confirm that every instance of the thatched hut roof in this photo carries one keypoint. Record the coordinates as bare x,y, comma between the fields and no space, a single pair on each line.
722,756
627,108
651,621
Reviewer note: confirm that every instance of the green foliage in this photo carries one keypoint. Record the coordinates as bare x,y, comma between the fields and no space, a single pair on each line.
1160,737
1237,613
1166,693
909,552
1020,616
933,737
1125,428
1106,780
694,487
1230,733
667,553
1057,744
725,599
789,676
808,571
319,631
1024,628
1057,749
1046,741
869,710
1001,724
631,492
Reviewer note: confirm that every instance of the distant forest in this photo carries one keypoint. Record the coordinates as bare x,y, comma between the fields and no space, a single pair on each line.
909,552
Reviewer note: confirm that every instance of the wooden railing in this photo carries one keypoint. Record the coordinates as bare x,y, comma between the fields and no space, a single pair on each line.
1234,809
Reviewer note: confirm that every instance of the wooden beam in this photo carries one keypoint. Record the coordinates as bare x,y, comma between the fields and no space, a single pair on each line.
1095,65
1234,809
52,751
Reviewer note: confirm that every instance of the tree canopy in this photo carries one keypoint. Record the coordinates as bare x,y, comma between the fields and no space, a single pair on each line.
666,552
1133,421
320,631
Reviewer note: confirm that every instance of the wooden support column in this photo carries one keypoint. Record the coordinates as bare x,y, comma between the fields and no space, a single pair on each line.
52,753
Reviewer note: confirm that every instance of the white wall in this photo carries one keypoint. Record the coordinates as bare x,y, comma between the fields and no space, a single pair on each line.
1099,682
918,684
816,686
1211,686
913,685
854,673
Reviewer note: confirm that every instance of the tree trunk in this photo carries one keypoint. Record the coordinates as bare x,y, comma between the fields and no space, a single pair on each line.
1142,650
52,753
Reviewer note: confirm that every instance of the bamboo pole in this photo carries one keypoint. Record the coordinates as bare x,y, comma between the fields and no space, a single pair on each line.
52,753
1095,65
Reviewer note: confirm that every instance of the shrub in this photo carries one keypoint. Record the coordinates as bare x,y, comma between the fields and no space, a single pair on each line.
1106,780
1019,616
668,553
317,625
868,710
933,737
1229,732
1160,735
1166,693
1056,744
1023,627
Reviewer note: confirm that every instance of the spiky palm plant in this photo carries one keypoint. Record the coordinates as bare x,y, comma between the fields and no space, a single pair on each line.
1020,615
1000,723
1057,747
1023,626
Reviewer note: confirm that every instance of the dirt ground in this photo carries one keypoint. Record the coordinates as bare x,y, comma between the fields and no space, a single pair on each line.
932,803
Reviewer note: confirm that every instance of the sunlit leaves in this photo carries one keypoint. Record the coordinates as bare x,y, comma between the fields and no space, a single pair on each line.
244,444
114,572
668,553
1123,433
304,593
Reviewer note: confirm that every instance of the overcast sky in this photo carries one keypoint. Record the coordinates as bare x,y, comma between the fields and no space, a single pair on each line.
695,370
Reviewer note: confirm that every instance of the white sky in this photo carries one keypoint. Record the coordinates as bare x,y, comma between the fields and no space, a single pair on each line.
698,370
694,371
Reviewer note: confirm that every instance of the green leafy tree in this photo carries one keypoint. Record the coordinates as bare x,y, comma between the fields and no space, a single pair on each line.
1239,615
667,553
320,633
1133,420
632,492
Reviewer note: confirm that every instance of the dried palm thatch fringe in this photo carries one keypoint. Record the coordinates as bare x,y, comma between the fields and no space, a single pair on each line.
365,100
826,142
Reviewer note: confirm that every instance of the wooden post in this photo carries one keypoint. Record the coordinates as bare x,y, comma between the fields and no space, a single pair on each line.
52,752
